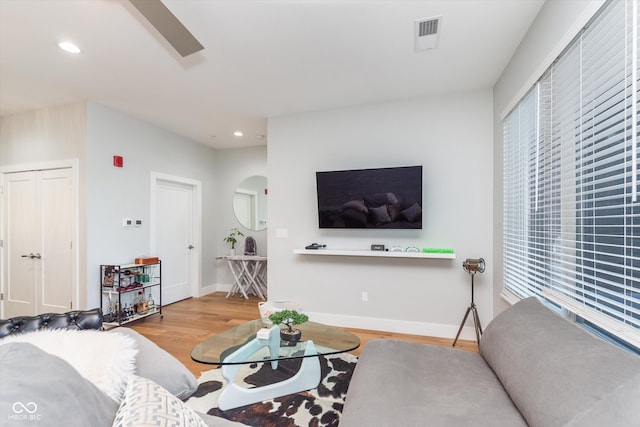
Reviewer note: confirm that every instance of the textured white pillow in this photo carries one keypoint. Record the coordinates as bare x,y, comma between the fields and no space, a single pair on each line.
104,359
145,403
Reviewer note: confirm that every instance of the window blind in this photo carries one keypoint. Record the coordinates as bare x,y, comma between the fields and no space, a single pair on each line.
571,211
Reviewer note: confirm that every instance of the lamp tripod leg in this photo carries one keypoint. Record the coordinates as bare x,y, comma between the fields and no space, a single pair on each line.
476,323
472,266
464,320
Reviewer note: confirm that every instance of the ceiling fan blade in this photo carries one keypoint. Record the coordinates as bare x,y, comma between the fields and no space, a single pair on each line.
168,25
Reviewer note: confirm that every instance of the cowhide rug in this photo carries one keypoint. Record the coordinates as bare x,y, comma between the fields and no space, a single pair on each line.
321,406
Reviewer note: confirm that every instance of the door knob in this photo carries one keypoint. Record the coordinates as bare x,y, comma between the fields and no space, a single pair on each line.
190,247
32,256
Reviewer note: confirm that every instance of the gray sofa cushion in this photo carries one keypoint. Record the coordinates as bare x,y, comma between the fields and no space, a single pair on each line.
161,367
625,400
399,383
38,388
556,373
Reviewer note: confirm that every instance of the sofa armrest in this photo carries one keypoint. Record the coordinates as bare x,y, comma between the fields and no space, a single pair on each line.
555,372
79,319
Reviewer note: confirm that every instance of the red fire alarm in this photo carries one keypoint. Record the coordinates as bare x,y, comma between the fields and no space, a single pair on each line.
118,161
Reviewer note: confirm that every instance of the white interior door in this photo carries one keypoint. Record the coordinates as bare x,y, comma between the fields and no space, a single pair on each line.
175,239
38,220
57,220
20,239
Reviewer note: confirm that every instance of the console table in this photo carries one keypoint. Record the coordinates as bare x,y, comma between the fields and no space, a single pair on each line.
250,275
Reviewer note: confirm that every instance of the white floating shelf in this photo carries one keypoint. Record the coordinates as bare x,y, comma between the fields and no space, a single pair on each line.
384,254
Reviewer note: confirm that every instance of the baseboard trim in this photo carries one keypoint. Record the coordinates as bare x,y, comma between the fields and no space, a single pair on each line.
373,323
393,325
213,288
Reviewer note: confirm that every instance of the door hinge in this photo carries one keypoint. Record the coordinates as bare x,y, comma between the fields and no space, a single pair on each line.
2,296
1,243
71,305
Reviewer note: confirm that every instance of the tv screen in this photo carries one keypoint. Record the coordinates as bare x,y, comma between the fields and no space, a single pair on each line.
370,198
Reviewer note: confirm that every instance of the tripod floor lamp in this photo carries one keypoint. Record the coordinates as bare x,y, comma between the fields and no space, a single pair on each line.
472,266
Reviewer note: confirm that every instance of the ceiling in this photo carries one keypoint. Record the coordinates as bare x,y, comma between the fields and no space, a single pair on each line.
261,58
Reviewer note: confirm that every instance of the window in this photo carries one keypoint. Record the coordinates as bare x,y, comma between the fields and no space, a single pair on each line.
571,205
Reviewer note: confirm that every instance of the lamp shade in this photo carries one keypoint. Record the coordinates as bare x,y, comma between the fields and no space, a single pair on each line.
472,265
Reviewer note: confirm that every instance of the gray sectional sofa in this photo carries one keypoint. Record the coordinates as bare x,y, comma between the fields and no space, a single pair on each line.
534,368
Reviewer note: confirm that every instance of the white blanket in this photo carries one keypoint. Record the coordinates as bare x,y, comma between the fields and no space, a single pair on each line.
104,359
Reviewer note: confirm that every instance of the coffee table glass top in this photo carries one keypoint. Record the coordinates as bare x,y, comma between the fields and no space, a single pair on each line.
326,339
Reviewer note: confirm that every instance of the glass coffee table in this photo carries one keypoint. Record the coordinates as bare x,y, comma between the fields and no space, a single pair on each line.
255,341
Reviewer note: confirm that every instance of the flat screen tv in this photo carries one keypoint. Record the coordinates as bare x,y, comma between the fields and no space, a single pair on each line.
370,198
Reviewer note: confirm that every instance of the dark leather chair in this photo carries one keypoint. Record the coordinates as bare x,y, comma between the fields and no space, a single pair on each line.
79,319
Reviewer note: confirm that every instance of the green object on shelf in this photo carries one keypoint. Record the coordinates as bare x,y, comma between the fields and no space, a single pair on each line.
437,251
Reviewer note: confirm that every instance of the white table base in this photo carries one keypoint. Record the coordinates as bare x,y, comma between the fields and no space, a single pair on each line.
234,396
249,273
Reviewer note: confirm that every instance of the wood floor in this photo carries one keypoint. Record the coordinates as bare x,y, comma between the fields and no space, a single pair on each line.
187,323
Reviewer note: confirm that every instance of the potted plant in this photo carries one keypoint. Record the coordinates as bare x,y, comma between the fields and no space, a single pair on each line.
289,318
233,238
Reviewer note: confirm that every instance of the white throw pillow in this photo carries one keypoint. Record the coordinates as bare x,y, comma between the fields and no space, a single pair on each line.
104,359
145,403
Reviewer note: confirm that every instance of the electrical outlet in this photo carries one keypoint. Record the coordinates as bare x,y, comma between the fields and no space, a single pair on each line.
365,296
127,222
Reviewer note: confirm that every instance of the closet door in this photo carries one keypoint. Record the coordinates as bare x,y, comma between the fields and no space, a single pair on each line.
39,214
57,218
21,240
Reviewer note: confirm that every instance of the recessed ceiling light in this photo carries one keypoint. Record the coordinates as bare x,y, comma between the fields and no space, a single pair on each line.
69,47
238,133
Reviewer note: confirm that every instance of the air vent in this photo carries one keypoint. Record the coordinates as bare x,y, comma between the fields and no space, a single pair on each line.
427,33
428,28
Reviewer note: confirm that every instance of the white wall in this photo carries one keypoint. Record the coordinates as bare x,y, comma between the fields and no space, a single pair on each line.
555,26
116,193
93,134
50,135
45,135
451,137
232,167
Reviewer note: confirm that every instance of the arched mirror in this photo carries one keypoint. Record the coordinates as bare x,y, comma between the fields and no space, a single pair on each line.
250,203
